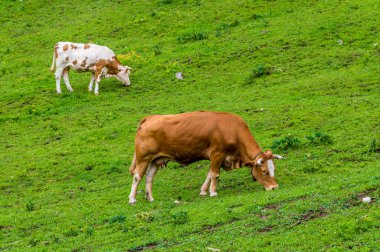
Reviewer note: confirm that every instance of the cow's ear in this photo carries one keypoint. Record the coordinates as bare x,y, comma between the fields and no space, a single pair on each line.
250,164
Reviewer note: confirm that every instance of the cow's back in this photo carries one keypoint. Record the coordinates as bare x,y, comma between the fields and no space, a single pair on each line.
189,136
197,124
81,57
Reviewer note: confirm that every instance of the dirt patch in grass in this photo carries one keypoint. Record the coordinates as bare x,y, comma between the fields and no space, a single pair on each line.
6,227
262,216
366,193
208,228
310,215
265,229
272,206
151,245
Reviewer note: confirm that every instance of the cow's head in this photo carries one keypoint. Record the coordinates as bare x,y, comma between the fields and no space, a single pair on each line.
123,75
262,169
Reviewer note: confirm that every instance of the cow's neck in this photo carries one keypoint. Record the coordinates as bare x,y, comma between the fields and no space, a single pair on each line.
251,150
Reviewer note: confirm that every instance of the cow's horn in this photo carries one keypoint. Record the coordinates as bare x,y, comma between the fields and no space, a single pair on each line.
278,156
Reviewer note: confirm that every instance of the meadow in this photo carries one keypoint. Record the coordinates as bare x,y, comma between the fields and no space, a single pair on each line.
304,75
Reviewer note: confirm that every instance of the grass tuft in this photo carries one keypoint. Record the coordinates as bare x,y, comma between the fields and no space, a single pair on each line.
374,147
30,206
192,36
287,143
319,138
118,218
145,216
180,217
258,72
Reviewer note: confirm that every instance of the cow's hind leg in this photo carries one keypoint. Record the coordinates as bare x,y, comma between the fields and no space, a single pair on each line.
150,173
137,176
91,82
58,76
66,79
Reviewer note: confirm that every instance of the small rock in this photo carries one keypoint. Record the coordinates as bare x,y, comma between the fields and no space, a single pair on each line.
177,202
340,42
367,199
179,76
213,249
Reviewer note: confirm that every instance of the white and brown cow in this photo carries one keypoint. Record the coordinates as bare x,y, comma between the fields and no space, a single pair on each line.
222,138
99,60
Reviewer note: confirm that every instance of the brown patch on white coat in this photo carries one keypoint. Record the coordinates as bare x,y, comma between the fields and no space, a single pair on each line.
83,65
99,60
55,51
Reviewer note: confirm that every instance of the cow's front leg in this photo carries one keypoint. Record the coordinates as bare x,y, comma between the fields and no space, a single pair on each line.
91,82
151,172
98,76
96,91
206,184
66,79
216,162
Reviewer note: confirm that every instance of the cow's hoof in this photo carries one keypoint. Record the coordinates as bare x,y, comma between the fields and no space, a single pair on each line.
59,92
203,193
89,90
71,90
132,202
149,198
213,194
96,93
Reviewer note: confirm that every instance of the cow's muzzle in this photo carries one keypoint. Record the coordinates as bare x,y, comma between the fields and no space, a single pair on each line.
271,187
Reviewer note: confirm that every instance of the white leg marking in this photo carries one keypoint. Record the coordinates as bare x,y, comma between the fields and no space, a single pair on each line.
213,194
135,184
66,80
58,75
91,82
96,91
206,184
151,171
213,184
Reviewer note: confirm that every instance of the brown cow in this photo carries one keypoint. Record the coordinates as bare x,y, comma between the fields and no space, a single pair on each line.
222,138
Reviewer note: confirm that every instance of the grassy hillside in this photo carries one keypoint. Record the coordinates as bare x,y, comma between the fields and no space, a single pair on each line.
304,75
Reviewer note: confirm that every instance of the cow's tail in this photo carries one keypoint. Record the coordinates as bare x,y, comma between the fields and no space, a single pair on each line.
53,64
133,165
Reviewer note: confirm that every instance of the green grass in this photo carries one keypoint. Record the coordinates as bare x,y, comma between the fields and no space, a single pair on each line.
304,75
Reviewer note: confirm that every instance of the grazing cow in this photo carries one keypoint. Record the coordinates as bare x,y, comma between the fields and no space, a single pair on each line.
99,60
222,138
